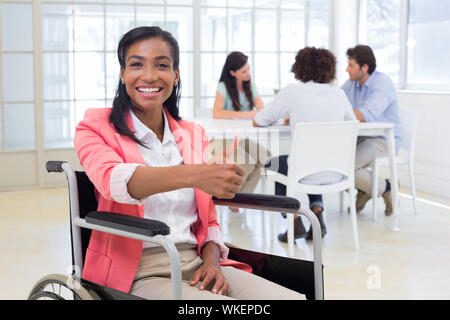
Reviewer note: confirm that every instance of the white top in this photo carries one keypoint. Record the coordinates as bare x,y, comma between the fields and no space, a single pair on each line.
177,208
308,102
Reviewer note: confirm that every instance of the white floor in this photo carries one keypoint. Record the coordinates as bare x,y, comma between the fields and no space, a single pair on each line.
412,263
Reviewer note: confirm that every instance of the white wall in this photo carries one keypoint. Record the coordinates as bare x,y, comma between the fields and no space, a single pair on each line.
432,154
344,34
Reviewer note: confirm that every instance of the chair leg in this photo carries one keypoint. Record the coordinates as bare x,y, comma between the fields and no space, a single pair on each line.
353,219
413,186
290,235
290,230
263,182
263,188
374,168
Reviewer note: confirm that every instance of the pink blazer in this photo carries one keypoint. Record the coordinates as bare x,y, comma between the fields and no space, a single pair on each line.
112,260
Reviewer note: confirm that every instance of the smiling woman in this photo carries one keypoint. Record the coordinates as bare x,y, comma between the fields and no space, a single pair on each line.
146,162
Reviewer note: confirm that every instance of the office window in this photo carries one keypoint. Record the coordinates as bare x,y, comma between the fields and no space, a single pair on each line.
270,32
317,24
81,37
17,121
52,72
379,28
401,32
428,45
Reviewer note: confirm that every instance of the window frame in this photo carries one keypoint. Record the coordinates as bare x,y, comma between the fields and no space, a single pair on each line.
403,85
43,150
253,52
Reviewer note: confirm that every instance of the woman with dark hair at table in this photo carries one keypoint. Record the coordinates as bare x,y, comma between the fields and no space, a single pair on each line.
238,98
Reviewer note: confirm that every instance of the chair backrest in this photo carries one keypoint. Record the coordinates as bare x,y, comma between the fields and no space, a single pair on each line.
323,147
409,119
87,203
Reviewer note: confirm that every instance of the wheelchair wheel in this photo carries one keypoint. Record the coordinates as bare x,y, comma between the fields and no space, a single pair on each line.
60,287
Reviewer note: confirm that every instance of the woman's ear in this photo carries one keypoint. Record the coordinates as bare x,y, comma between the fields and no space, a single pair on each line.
122,70
177,78
233,73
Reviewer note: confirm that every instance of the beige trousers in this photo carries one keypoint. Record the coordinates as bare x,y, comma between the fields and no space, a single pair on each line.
367,150
152,280
250,155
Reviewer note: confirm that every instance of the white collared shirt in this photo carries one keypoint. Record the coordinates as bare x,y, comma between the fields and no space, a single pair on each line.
308,102
177,208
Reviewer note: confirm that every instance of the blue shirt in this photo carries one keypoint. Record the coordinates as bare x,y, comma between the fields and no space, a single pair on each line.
228,104
377,101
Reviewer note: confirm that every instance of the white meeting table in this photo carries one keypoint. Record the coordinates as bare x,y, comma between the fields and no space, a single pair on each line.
279,137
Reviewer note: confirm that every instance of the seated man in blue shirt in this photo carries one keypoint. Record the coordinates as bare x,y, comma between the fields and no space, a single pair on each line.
374,99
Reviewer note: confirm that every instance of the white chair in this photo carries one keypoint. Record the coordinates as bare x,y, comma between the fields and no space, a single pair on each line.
320,147
409,120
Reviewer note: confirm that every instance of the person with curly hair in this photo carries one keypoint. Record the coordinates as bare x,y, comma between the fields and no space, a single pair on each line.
312,99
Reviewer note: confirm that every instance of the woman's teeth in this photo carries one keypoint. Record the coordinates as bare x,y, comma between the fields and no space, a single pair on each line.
148,90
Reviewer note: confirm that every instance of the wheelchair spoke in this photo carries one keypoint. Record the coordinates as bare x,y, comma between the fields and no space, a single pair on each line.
61,287
55,290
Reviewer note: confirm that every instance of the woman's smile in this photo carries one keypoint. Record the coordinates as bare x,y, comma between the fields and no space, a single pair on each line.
149,91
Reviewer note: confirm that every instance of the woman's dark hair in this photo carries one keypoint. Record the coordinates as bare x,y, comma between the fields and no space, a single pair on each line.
318,65
363,55
235,61
122,101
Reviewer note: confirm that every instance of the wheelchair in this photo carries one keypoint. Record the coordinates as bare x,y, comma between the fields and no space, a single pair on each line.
305,277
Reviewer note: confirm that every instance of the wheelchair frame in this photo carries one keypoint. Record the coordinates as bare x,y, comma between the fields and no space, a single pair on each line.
154,231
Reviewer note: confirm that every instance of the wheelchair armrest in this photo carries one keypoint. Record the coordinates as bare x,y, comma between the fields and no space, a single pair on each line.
123,222
261,202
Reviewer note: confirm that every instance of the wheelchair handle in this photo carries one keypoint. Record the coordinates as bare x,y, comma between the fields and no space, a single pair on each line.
54,166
